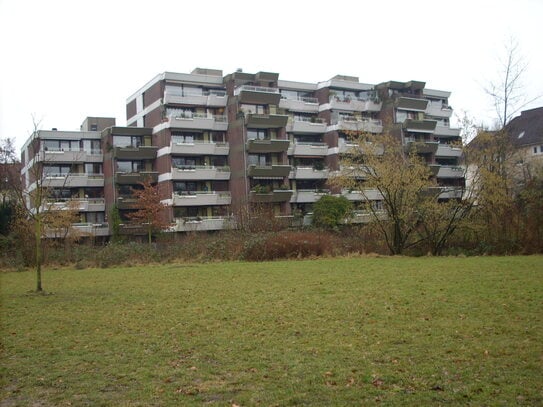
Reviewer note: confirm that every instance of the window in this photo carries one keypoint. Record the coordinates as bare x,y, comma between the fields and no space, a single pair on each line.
186,137
91,146
257,109
127,141
94,127
257,134
129,166
60,145
93,168
56,170
257,159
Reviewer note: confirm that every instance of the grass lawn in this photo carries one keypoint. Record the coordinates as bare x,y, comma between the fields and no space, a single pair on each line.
332,332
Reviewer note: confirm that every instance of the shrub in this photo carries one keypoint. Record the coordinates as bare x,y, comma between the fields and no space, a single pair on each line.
287,245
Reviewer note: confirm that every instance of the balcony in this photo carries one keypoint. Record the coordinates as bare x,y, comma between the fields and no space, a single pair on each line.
268,171
422,146
446,150
78,204
265,121
449,171
201,198
132,229
258,95
92,229
201,224
311,126
72,156
438,110
444,131
365,195
200,172
135,153
355,105
200,148
420,126
131,178
127,202
355,124
73,180
366,216
451,192
312,149
308,173
211,99
277,195
198,121
308,195
412,104
267,146
353,147
301,104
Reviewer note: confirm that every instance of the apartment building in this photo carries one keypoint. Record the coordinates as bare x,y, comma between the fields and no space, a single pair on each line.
68,167
227,143
220,145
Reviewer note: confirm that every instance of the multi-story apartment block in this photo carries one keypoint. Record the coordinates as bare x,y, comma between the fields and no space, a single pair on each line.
217,146
68,166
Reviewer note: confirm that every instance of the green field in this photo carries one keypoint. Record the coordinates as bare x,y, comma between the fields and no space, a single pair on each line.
331,332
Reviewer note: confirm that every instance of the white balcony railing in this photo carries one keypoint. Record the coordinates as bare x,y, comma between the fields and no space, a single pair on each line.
250,88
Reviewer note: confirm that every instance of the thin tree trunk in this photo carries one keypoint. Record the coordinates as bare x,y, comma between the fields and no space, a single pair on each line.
38,256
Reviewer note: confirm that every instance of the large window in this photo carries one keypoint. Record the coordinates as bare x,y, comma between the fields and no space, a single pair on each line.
257,109
57,170
61,145
93,169
127,141
91,146
130,166
257,134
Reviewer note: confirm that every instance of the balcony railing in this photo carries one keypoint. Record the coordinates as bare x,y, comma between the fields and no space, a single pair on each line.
363,195
308,195
446,150
277,195
300,104
250,88
450,171
199,121
70,155
306,125
74,180
301,148
267,145
258,94
205,98
301,172
269,171
80,204
135,152
202,198
136,177
201,223
200,148
200,172
359,124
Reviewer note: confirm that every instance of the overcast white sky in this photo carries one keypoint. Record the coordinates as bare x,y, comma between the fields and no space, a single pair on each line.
63,60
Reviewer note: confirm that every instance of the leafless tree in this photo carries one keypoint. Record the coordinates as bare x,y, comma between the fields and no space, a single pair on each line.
507,92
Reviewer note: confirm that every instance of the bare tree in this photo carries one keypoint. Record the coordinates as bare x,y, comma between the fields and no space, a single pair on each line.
507,92
34,209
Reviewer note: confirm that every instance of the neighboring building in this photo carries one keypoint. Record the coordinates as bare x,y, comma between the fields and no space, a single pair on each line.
68,165
218,146
526,135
